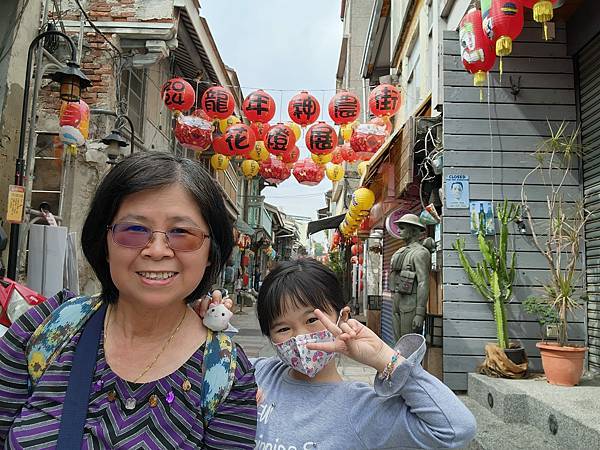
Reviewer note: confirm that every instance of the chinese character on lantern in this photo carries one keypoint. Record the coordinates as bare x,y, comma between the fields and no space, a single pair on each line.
321,138
304,108
279,139
344,108
218,103
240,139
178,94
384,100
259,106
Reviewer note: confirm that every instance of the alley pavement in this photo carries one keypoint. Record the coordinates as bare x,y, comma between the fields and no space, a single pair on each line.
255,345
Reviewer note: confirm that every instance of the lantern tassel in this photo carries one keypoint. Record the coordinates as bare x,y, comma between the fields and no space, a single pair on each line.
501,68
72,149
545,31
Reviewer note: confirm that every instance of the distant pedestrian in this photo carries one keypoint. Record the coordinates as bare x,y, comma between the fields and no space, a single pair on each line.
304,401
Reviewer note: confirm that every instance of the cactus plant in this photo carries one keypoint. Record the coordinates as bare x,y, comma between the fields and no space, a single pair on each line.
493,277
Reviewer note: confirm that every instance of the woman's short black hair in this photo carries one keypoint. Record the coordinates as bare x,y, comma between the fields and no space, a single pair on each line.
153,170
297,283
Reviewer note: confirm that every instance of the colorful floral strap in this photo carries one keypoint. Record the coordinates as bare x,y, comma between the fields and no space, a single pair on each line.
57,330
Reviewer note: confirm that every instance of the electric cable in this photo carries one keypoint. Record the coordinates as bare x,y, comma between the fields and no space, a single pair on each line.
96,29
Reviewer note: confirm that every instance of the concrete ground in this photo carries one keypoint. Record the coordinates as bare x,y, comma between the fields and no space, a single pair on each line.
255,345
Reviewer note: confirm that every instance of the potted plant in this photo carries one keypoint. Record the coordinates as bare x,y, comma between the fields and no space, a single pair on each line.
546,315
493,277
559,241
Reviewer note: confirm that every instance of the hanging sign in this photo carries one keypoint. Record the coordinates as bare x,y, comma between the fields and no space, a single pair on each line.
457,192
16,203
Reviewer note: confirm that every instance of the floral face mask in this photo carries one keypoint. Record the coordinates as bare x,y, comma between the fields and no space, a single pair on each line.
294,353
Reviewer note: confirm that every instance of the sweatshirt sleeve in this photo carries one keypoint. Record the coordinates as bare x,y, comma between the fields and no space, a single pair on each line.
14,377
413,409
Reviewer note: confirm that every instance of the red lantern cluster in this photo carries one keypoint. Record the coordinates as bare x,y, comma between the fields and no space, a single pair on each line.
476,51
502,23
280,139
367,139
218,102
260,130
348,154
336,155
308,173
321,139
178,94
238,140
274,170
193,132
259,107
385,100
344,108
304,108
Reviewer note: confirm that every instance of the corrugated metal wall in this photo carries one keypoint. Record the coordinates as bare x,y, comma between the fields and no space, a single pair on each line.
390,245
545,74
589,92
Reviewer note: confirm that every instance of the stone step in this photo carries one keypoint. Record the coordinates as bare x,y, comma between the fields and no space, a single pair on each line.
569,414
494,434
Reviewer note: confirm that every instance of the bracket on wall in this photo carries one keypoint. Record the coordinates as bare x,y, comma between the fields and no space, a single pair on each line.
515,87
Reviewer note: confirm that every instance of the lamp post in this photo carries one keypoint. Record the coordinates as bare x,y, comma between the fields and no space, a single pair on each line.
72,80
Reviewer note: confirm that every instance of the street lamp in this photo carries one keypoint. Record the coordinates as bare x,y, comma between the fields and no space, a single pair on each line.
72,82
114,141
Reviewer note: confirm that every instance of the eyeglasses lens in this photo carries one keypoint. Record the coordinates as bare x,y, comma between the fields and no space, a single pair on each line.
138,236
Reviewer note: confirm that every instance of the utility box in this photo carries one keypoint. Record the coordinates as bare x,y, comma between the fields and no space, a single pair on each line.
46,259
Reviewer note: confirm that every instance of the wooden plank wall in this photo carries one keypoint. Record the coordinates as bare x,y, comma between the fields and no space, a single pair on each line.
517,125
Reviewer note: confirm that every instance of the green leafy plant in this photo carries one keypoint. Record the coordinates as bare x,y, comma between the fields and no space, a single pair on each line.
545,313
493,277
336,263
560,240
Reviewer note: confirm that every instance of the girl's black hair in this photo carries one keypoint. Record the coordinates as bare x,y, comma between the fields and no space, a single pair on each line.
147,171
297,283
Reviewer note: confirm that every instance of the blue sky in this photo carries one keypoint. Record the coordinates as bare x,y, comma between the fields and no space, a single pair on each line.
282,45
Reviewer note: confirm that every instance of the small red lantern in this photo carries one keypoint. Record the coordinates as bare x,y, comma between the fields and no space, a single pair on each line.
354,250
344,107
259,107
260,130
178,94
336,155
280,139
385,100
245,279
321,139
291,156
502,23
239,140
308,173
336,239
274,170
245,261
193,132
304,108
476,50
218,102
367,139
384,122
348,154
360,261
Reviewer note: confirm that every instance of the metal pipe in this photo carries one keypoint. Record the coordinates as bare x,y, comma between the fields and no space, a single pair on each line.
20,161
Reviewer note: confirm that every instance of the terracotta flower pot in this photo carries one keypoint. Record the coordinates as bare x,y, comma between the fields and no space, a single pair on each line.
563,365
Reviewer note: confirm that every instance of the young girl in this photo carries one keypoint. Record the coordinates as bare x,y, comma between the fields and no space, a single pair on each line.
305,404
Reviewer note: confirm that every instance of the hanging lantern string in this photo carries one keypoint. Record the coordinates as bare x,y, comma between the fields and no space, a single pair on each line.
322,105
280,105
491,138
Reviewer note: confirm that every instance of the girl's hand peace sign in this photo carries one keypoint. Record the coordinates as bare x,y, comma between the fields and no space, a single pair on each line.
356,341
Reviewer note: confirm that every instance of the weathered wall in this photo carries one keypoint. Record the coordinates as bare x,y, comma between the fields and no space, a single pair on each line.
518,125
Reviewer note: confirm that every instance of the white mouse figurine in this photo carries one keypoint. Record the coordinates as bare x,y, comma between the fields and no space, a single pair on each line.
217,317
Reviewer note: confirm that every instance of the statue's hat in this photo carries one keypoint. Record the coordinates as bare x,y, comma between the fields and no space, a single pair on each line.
410,219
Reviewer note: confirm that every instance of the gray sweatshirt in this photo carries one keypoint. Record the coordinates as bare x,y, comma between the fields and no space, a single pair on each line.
411,410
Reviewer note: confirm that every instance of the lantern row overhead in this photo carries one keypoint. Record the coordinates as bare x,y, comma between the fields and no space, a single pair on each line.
270,149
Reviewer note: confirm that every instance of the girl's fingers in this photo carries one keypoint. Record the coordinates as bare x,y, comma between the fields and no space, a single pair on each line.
330,347
345,327
329,325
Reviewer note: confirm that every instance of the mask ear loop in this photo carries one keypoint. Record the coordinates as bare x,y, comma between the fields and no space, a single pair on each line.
341,314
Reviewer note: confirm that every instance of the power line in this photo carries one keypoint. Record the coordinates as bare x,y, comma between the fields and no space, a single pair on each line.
96,29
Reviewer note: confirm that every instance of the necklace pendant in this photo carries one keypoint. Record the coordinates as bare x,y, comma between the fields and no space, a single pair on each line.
153,401
130,403
112,396
186,385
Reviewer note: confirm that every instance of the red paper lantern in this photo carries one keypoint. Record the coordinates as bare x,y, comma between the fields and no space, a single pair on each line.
385,100
291,156
218,102
321,139
304,108
245,261
308,173
178,94
245,279
280,139
336,155
193,132
476,50
259,107
354,250
239,140
344,107
502,23
384,122
274,170
336,239
260,130
367,139
348,154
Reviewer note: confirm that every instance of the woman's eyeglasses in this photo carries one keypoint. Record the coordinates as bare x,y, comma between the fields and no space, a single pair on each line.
134,235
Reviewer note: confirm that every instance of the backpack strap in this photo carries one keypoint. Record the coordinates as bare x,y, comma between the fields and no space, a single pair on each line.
51,336
218,369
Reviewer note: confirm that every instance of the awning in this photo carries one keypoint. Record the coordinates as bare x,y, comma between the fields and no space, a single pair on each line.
243,227
324,224
380,156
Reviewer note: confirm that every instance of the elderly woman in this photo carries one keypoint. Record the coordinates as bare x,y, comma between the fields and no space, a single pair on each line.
156,236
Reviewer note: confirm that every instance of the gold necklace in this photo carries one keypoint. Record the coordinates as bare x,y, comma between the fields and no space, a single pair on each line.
149,366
